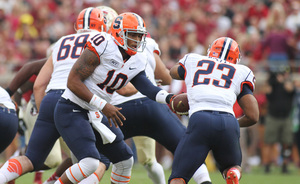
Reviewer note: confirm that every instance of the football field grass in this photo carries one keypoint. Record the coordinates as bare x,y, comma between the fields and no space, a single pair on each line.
256,176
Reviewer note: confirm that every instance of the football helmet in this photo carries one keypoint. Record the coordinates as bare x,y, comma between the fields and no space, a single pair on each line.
90,19
125,24
109,14
225,48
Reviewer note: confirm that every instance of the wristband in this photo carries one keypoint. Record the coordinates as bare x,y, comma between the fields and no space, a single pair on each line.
169,98
98,102
9,91
163,97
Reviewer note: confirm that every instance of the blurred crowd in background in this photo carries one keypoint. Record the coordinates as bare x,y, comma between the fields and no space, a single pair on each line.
268,32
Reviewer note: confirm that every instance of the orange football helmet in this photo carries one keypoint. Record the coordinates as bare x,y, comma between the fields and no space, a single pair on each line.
109,13
90,19
225,48
127,23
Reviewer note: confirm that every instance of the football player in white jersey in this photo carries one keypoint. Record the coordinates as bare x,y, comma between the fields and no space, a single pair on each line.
165,126
214,83
107,64
151,119
166,133
65,53
8,120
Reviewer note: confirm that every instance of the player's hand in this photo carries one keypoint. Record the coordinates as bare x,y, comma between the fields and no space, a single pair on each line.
113,115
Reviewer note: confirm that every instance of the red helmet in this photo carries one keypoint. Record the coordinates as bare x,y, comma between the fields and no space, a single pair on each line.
225,48
90,19
129,23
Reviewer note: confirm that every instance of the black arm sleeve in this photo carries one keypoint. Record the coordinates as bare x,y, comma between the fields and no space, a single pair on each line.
246,90
145,86
181,71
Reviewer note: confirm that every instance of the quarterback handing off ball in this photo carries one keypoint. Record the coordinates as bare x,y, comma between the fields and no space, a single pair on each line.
179,104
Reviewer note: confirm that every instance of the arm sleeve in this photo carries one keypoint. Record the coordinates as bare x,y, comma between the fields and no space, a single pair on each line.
181,71
246,90
145,86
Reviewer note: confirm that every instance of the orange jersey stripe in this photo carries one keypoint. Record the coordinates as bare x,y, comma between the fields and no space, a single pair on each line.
89,46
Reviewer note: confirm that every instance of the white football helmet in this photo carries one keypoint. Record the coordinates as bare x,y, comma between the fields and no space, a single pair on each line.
109,13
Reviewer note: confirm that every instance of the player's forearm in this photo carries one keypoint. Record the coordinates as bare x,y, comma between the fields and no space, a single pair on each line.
25,73
249,105
79,89
127,90
38,96
39,89
143,84
161,71
42,81
245,121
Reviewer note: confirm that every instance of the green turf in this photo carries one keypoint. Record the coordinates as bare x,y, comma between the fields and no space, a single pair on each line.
256,176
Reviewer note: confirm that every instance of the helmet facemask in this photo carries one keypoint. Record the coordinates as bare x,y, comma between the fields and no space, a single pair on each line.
140,44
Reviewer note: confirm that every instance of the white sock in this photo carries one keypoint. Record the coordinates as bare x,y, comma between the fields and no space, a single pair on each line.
50,182
83,169
3,179
156,173
92,179
15,171
58,182
201,175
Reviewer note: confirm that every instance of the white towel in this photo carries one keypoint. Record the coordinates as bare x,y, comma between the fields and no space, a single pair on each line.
107,135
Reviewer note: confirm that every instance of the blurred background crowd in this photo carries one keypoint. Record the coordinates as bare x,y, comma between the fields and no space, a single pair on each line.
268,32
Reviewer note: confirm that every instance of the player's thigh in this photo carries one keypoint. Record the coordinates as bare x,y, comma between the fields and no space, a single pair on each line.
226,145
189,155
8,128
166,128
75,129
145,147
42,139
